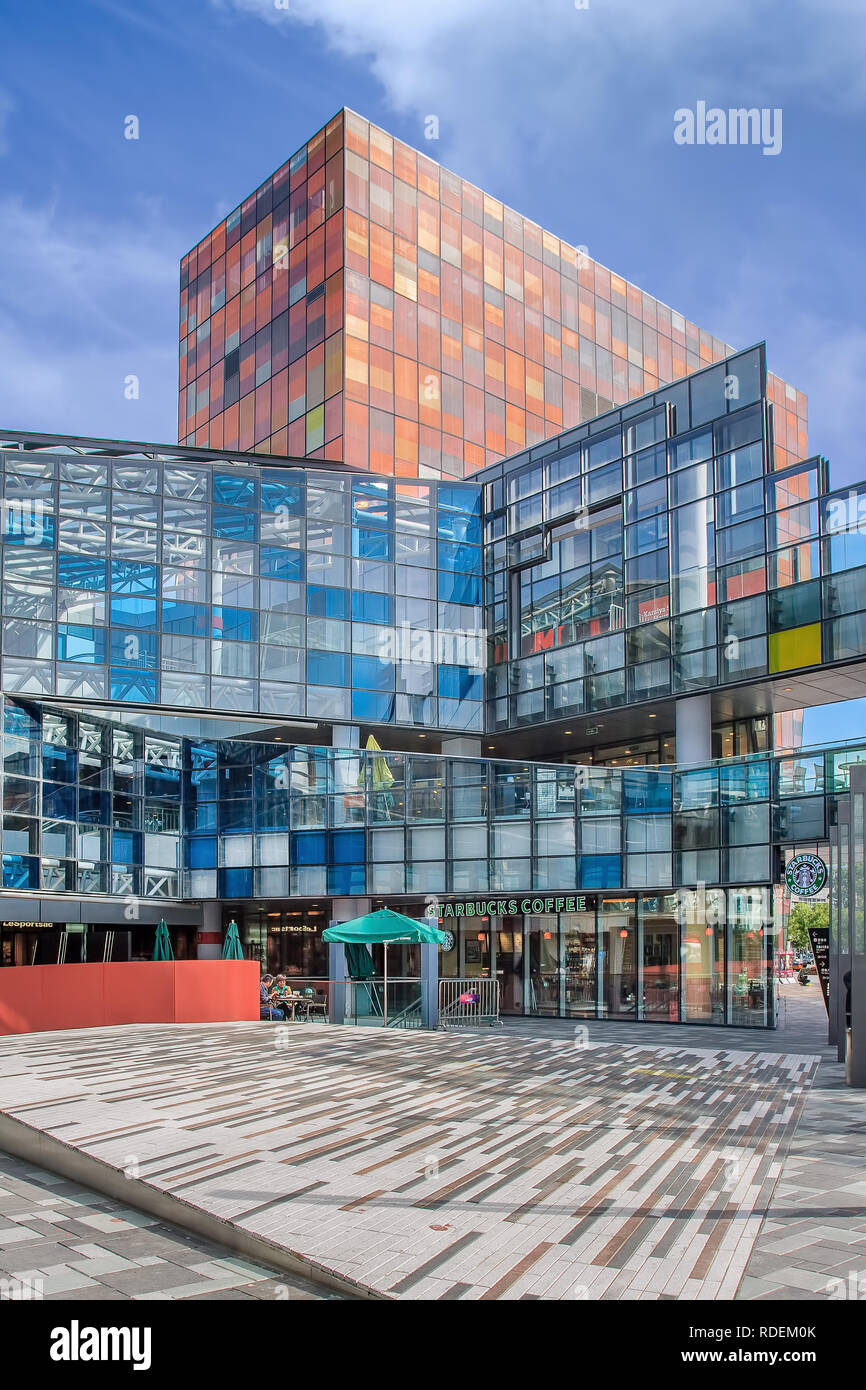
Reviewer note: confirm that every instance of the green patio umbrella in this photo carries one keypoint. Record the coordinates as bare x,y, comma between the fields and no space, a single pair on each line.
162,945
232,948
385,925
381,927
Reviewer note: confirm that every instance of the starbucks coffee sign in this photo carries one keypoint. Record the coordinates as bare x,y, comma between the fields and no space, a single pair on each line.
805,876
506,907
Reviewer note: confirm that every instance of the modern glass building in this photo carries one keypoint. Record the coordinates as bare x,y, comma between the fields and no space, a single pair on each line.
585,670
365,305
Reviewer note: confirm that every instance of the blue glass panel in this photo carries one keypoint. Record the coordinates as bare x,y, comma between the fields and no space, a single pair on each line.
134,685
460,683
236,773
59,764
377,488
453,526
466,499
276,563
645,791
235,883
236,817
460,514
466,559
161,781
133,612
371,508
372,707
94,807
372,608
205,816
201,852
345,879
126,847
372,545
370,673
235,624
20,871
234,524
347,846
327,668
81,644
26,527
308,847
81,572
697,789
234,490
134,577
20,720
599,871
186,619
745,782
327,603
278,496
459,588
139,650
58,801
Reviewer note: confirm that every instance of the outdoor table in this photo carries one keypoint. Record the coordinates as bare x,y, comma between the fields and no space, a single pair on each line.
292,1000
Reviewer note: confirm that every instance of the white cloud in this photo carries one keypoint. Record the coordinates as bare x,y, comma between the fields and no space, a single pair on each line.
83,305
518,54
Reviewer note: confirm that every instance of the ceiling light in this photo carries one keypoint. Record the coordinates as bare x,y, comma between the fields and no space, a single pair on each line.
653,716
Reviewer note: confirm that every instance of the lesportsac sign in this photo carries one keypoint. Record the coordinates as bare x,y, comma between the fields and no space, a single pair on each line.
506,907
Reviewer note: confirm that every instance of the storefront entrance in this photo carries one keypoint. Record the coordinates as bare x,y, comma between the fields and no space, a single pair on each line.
686,956
690,956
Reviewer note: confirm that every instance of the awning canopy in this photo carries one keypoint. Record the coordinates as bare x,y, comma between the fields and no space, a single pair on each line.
385,926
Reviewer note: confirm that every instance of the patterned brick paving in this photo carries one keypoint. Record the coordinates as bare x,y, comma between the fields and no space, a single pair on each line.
59,1240
439,1166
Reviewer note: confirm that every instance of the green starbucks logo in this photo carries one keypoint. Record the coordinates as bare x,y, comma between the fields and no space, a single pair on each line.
805,875
448,943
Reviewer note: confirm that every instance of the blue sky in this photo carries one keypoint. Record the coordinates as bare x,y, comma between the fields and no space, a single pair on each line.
565,113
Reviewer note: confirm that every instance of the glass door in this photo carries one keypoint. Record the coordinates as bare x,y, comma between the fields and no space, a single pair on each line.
618,952
544,971
577,933
702,919
660,995
509,963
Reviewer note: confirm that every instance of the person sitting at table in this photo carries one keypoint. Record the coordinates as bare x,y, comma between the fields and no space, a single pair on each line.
266,1007
282,993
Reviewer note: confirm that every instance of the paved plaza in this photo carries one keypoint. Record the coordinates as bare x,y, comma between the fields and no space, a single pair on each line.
535,1162
61,1241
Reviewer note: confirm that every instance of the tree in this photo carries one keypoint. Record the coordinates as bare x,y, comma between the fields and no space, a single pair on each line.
802,917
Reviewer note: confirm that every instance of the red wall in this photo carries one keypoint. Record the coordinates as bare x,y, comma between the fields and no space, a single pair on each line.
37,998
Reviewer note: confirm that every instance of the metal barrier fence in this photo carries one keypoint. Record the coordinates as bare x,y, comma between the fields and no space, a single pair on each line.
464,1002
394,1002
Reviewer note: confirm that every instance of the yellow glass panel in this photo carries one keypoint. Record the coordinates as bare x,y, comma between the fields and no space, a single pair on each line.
799,646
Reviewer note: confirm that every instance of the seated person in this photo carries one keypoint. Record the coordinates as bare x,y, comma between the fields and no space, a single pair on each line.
280,991
266,1008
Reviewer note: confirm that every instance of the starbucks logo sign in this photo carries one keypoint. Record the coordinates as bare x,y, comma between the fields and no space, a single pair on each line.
448,943
805,875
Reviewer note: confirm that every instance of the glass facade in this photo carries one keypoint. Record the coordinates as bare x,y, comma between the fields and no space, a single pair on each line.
632,893
656,551
184,632
366,304
97,805
222,584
